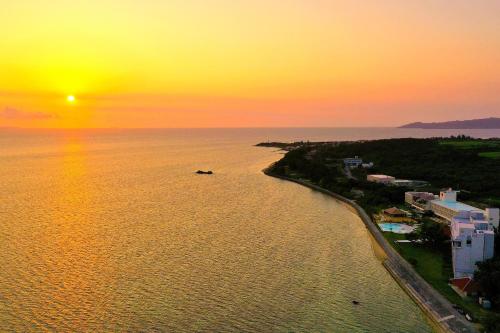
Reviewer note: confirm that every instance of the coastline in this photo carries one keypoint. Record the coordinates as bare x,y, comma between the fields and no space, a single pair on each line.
437,308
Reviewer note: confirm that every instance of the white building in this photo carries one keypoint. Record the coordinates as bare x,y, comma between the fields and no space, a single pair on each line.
367,165
448,207
420,200
472,240
353,162
382,179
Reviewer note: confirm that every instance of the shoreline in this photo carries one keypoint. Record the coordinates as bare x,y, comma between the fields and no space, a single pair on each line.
434,305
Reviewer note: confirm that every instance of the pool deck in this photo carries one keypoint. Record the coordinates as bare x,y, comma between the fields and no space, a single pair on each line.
400,228
432,303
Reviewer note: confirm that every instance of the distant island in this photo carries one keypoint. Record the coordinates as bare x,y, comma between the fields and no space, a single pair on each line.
485,123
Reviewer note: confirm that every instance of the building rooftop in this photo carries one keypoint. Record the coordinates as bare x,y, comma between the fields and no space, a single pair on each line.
465,284
461,282
455,205
465,225
394,211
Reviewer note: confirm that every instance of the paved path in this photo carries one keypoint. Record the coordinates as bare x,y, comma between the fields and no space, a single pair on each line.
437,307
348,173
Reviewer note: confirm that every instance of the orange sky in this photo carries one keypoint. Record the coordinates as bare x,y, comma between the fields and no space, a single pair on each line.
222,63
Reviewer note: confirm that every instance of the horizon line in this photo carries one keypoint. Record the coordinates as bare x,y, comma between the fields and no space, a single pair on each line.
157,128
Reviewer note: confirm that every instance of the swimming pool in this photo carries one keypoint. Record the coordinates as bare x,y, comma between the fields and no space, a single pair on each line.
398,228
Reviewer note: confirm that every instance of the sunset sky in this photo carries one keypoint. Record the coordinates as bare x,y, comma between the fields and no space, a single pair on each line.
234,63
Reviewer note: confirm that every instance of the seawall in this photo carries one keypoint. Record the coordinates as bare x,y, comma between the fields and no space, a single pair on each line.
438,309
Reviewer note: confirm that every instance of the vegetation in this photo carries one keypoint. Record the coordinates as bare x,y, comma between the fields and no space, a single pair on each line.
431,234
488,275
282,145
491,323
466,143
490,154
443,162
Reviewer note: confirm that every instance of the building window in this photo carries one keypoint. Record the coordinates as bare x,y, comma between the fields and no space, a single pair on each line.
457,244
468,241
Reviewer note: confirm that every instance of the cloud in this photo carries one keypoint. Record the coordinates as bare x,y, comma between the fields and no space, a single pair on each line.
11,113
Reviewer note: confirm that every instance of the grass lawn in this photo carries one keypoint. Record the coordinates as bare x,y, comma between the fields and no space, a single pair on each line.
470,144
435,267
490,154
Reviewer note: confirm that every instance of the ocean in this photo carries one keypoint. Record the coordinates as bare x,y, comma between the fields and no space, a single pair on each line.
112,231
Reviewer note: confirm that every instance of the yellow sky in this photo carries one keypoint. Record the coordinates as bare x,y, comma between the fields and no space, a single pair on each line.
220,63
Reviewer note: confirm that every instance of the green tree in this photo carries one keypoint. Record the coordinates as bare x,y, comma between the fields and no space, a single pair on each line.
432,233
488,276
491,323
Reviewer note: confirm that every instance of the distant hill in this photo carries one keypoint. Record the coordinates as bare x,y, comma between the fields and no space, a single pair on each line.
486,123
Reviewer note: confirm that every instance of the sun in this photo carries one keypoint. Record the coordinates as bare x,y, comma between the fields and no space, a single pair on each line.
71,99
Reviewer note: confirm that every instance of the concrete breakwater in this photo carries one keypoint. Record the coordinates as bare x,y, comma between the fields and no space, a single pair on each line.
435,306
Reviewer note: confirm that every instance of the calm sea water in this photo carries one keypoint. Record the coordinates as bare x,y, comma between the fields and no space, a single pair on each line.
110,231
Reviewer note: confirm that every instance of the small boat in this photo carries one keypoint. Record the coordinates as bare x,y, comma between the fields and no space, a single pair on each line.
201,172
355,302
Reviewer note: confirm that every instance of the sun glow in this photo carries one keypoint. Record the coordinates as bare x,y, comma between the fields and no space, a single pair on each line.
229,63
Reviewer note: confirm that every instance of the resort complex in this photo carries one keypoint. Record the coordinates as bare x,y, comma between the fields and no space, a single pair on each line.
446,205
472,229
389,180
420,200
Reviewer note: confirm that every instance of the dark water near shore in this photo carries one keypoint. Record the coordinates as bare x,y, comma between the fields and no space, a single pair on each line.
110,230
